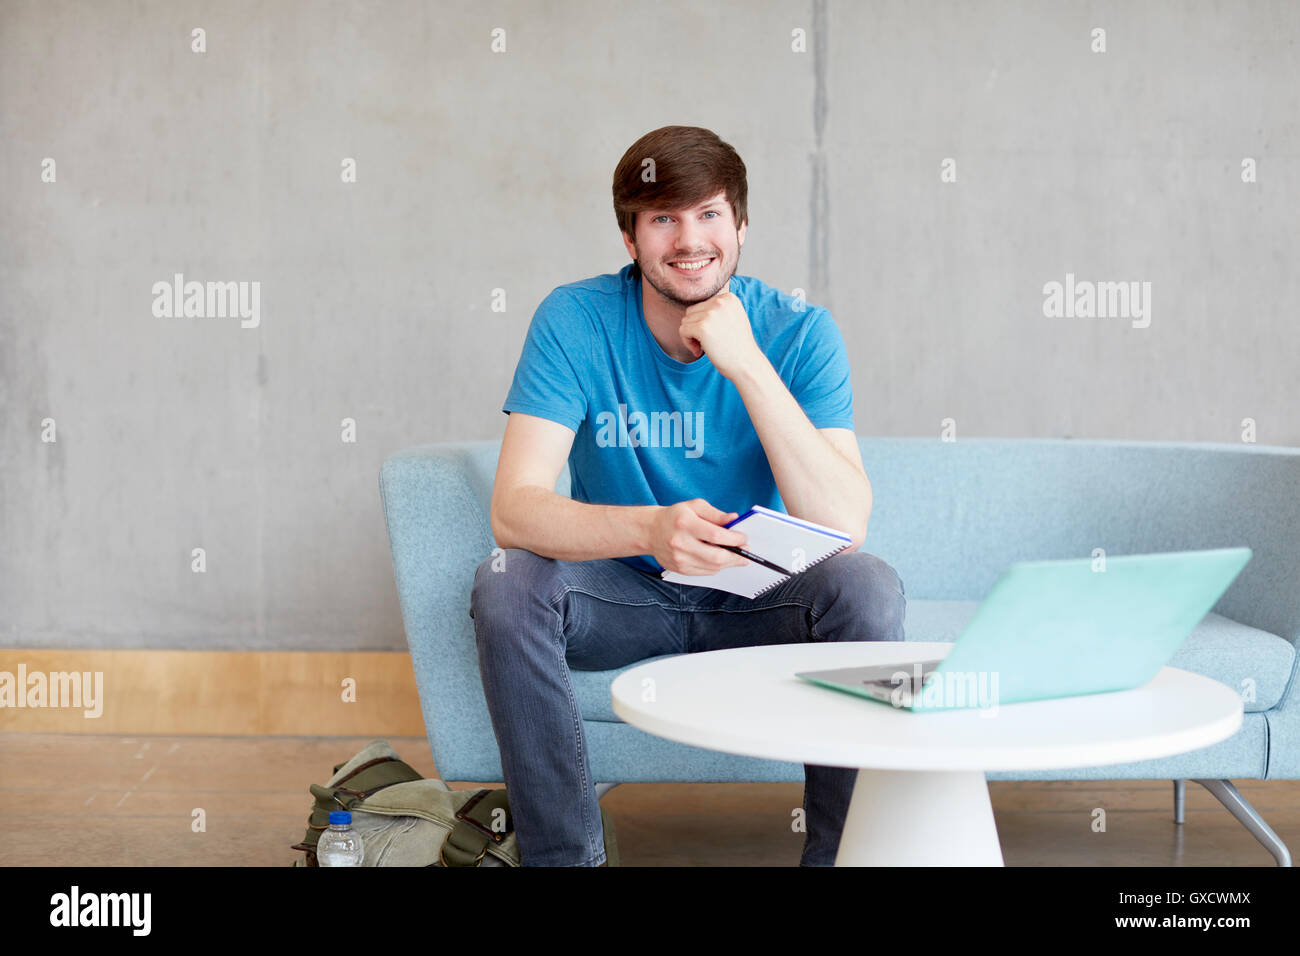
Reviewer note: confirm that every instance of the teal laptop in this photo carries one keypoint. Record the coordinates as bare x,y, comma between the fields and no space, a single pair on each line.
1059,628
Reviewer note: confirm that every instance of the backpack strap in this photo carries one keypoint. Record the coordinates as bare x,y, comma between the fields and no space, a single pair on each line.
469,838
365,780
377,774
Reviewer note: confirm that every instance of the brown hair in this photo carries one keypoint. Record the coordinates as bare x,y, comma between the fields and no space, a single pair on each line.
691,164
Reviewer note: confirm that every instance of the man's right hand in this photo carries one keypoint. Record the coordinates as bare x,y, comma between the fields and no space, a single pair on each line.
683,538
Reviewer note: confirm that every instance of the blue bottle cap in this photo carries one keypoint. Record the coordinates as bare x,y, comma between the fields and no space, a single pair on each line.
340,817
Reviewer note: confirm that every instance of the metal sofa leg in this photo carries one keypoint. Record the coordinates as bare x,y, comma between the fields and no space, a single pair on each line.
1180,799
1239,807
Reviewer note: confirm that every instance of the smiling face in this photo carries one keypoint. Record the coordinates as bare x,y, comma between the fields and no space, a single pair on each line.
687,255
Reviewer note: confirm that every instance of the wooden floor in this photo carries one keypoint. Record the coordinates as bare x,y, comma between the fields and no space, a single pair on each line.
129,800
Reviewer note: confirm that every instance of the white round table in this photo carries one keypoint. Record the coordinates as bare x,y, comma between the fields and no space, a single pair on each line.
921,798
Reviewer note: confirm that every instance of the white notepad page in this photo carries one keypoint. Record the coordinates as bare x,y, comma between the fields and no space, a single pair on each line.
779,538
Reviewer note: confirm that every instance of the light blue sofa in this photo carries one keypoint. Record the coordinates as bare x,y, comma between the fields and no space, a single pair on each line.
950,517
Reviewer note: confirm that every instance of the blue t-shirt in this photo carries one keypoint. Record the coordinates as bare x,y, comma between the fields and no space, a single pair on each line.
650,430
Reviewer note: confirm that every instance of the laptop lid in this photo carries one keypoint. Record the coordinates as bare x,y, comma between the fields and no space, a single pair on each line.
1080,626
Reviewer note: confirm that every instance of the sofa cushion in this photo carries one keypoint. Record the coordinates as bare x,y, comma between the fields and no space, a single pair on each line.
1220,648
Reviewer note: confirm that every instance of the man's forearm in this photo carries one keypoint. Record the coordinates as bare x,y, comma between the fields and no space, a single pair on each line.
816,482
539,520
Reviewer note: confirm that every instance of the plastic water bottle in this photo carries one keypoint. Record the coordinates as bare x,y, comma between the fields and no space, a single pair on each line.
340,845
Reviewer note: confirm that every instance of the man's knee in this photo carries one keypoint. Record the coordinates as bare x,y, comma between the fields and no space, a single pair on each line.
875,592
502,577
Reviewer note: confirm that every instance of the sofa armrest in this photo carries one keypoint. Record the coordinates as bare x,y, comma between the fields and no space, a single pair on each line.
439,533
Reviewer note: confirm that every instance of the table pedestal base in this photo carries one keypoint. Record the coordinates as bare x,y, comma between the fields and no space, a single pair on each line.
920,818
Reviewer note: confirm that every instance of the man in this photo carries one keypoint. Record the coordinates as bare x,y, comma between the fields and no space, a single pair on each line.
675,389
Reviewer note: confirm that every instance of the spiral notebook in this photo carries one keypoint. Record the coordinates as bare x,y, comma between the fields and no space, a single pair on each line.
791,545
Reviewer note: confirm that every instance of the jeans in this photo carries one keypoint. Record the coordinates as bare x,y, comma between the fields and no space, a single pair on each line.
537,617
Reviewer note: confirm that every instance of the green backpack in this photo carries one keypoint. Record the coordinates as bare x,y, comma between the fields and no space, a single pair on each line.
408,820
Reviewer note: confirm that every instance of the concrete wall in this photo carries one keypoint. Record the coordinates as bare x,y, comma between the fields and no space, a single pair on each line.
479,170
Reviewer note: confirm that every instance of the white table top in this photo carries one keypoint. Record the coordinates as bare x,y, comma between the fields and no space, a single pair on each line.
748,701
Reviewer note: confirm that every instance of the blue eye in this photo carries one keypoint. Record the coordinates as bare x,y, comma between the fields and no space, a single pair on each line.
709,212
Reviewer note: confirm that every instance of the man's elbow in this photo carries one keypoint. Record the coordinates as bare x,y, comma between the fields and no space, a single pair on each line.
859,533
500,533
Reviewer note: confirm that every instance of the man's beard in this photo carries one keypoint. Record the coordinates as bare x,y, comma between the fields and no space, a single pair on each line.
684,303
